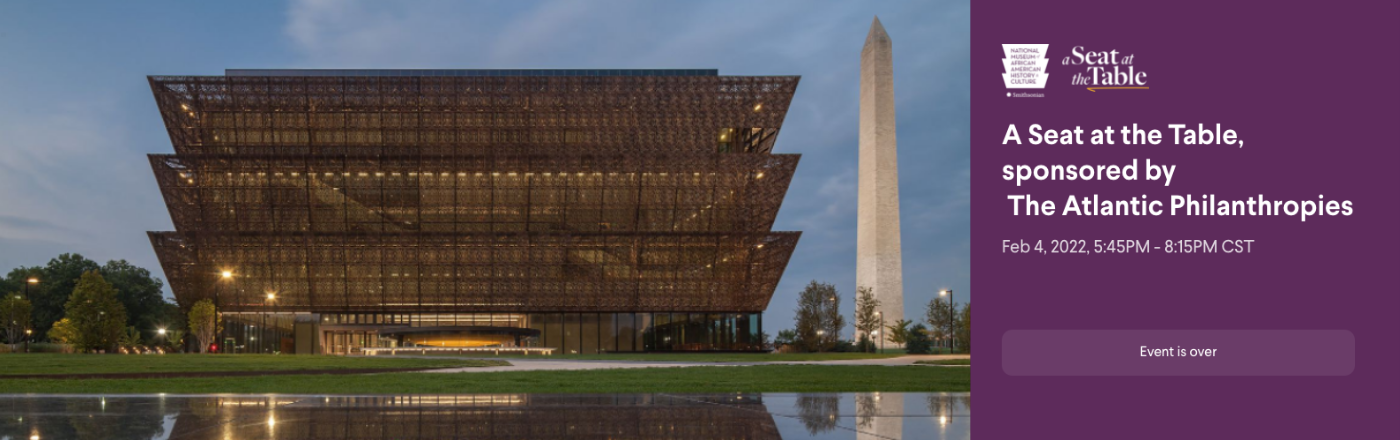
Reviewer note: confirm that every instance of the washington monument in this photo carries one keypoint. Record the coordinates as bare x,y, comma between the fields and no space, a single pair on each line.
878,258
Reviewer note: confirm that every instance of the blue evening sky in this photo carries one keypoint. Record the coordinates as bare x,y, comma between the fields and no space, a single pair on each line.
77,118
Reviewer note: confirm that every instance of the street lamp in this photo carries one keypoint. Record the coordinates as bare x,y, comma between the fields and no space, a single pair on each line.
949,293
225,275
272,301
27,331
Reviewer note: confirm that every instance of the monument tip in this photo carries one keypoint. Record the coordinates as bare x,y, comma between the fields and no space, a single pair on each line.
877,34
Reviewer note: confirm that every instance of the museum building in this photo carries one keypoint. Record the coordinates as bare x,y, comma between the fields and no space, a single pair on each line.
589,211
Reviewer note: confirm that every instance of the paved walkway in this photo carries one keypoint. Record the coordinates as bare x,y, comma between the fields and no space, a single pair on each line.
546,363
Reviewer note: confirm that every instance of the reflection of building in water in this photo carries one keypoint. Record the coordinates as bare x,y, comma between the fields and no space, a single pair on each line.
879,415
740,416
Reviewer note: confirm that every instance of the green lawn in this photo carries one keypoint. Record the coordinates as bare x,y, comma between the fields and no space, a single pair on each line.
46,363
693,357
946,362
762,378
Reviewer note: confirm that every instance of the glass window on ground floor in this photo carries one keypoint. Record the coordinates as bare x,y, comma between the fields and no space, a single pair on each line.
577,333
570,343
268,333
588,333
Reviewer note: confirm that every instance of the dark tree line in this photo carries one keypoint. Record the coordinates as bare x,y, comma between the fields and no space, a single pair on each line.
138,291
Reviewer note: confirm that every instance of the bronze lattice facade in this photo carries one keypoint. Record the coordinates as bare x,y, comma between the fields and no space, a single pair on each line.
454,198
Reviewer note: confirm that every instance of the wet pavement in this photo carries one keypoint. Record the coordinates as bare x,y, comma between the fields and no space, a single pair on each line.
489,416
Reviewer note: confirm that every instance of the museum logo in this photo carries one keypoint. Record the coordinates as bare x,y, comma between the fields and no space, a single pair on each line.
1025,68
1105,70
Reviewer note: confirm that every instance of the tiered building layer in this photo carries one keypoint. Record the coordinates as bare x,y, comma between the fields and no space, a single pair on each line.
468,192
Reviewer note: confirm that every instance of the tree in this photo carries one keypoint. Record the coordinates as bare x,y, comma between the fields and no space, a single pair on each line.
964,328
899,331
941,319
17,313
917,341
785,337
204,323
57,281
17,281
139,292
95,312
169,317
64,332
818,317
867,320
18,278
6,285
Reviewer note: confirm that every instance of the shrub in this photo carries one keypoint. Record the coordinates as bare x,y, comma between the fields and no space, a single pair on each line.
917,341
63,332
49,347
865,345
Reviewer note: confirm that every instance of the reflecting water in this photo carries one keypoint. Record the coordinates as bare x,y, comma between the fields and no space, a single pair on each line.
503,416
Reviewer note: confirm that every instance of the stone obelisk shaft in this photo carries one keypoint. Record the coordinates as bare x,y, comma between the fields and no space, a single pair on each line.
878,257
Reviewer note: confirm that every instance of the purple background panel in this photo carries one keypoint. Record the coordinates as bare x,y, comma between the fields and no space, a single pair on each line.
1309,87
1233,353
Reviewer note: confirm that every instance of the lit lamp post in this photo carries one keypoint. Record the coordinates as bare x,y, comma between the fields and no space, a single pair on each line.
27,331
223,276
948,337
271,300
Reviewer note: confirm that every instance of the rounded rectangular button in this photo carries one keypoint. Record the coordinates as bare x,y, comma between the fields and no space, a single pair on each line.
1178,352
